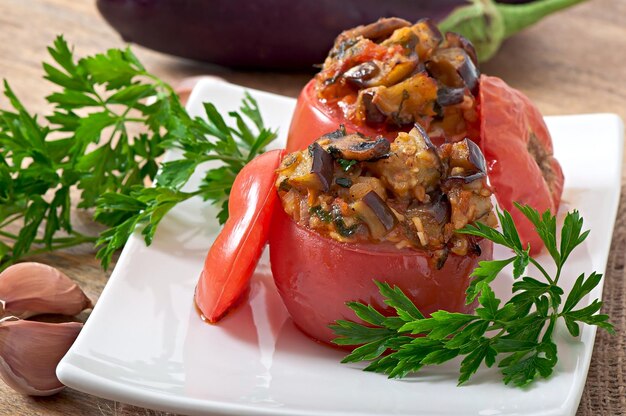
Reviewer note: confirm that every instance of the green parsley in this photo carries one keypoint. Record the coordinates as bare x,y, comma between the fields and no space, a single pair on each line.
516,334
101,145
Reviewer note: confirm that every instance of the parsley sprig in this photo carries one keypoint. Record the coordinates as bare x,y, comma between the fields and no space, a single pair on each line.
199,141
101,147
517,334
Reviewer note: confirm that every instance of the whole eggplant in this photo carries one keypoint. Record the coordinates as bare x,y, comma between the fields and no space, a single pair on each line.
273,34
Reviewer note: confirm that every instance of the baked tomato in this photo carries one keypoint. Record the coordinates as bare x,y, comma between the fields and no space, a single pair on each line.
513,137
519,153
235,253
316,276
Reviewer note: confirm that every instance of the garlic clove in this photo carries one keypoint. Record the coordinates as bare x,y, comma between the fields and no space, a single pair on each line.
28,289
30,352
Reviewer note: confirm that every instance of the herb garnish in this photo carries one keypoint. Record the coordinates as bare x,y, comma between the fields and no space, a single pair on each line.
110,123
516,334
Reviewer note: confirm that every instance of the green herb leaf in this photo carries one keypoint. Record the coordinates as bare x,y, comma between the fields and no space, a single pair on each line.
517,335
110,163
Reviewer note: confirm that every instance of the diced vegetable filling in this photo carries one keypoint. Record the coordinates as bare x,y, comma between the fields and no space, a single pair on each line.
395,74
408,193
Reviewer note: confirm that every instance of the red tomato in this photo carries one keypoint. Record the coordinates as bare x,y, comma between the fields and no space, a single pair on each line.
236,251
514,136
508,121
312,119
316,276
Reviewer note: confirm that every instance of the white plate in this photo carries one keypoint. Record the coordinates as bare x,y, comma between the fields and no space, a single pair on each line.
144,343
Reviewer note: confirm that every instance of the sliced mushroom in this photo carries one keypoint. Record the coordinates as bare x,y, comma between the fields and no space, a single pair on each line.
376,214
357,147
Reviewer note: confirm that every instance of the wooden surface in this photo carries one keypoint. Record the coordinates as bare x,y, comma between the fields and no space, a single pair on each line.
574,62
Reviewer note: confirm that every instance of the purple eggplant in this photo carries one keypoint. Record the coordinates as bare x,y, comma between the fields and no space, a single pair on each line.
289,34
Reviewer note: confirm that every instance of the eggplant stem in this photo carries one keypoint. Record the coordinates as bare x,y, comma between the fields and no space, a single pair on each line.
520,16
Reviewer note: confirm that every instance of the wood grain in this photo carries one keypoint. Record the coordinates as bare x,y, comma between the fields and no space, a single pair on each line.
573,62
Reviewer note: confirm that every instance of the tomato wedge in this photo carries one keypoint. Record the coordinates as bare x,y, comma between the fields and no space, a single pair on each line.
235,253
519,153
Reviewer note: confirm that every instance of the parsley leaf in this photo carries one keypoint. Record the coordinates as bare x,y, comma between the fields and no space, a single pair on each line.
110,124
517,335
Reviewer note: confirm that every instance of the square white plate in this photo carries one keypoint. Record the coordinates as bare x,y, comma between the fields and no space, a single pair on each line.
145,344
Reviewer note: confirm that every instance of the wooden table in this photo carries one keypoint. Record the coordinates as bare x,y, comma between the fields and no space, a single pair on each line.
574,62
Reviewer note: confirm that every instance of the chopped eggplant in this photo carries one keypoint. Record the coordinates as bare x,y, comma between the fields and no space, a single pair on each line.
449,96
401,102
429,37
371,113
454,68
360,74
357,147
376,214
343,182
467,162
322,165
378,30
459,41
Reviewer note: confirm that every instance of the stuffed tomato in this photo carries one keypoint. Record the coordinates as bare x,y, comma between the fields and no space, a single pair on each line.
382,78
353,210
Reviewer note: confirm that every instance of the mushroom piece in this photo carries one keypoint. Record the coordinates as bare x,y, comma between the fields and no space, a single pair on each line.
357,147
376,214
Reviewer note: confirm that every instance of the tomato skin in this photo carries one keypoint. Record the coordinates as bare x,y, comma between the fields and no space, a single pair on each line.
235,253
508,119
316,276
312,119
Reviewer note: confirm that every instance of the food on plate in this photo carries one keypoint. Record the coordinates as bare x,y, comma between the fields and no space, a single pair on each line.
356,209
382,78
386,164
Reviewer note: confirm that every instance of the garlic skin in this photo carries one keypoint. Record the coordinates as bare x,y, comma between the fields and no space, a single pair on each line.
30,352
28,289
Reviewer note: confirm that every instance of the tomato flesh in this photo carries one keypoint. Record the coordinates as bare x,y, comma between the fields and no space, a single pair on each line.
316,276
235,253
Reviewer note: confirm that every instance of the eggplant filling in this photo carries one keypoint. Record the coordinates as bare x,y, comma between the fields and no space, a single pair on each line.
396,74
408,193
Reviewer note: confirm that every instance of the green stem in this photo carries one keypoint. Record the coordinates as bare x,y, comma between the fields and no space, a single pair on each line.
11,219
542,270
520,16
8,235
